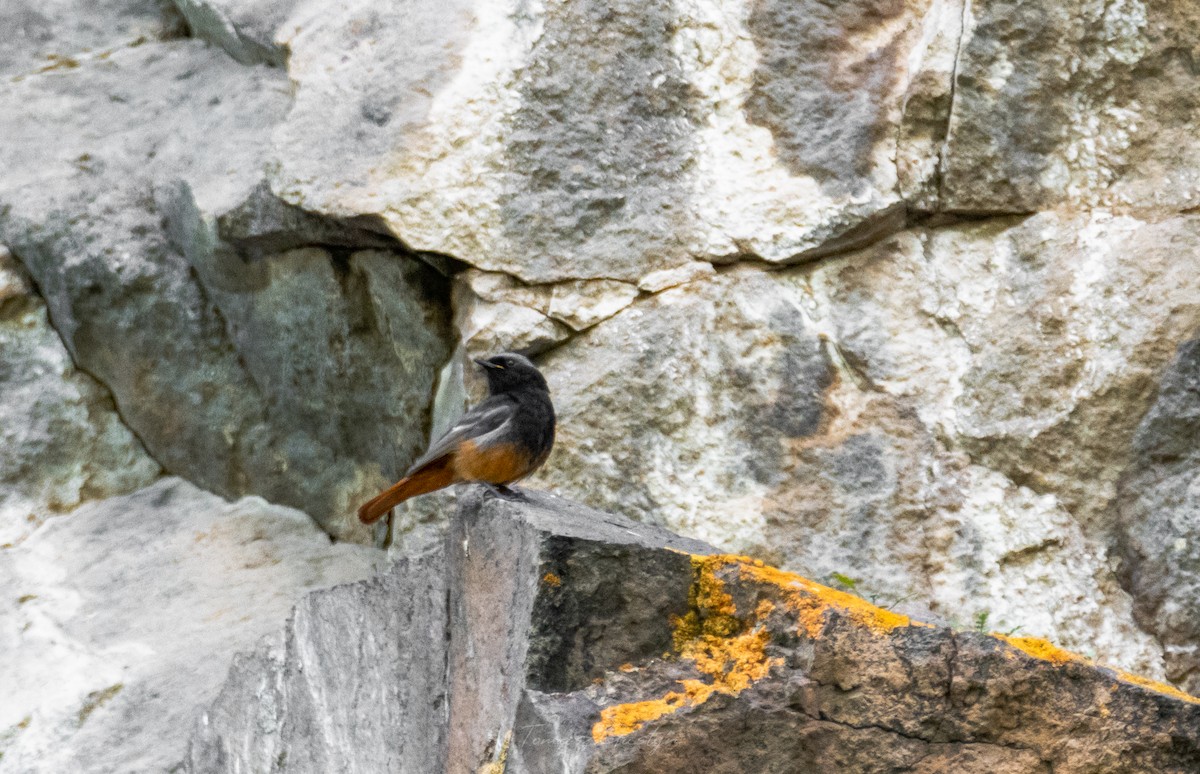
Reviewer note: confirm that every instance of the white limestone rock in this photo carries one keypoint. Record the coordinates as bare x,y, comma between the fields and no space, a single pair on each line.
573,140
46,35
118,623
1033,344
496,312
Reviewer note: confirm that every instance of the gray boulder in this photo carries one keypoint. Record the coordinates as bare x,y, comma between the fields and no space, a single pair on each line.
119,621
252,347
559,639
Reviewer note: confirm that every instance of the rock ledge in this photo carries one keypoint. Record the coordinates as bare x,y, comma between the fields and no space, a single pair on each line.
547,637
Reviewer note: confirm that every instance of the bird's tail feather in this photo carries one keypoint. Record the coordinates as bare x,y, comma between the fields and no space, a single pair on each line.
427,479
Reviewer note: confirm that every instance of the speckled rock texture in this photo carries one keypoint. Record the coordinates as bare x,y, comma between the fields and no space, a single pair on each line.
119,621
545,637
45,36
784,418
61,441
1158,525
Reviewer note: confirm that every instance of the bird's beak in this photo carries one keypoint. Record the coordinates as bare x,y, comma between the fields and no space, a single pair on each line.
486,365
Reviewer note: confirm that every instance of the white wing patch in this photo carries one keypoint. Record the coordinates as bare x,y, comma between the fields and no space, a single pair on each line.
481,424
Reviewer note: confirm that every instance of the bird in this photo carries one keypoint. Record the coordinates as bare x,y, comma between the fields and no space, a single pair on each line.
495,443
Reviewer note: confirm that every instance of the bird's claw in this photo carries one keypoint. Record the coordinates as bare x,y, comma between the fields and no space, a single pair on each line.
505,493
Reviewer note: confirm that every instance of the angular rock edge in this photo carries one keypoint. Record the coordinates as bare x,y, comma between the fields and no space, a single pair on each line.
548,637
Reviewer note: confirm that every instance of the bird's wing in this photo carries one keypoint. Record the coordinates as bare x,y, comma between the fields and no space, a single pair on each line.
488,417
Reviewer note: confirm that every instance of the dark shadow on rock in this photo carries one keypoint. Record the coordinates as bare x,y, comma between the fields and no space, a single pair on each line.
601,140
826,101
1158,521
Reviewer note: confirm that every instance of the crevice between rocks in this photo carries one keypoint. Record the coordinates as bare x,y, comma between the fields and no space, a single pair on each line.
109,397
943,154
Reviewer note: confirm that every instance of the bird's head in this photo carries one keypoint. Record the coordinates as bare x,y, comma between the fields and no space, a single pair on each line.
509,371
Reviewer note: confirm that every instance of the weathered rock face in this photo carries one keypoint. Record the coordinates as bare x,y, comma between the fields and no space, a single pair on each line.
61,442
775,414
49,36
383,702
1033,344
590,141
119,620
494,312
1119,126
894,295
545,638
303,375
729,358
356,682
1160,520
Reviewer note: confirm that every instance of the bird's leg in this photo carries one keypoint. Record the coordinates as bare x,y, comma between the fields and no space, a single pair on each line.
504,493
391,526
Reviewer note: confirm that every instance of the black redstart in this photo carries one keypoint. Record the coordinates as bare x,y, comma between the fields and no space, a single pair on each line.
498,442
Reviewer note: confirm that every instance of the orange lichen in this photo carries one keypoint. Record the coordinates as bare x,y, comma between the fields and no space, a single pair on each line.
731,651
728,651
1048,651
550,579
622,719
812,602
627,668
1154,685
1043,649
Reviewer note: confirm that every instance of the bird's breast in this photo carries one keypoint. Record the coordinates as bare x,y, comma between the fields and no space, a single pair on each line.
498,463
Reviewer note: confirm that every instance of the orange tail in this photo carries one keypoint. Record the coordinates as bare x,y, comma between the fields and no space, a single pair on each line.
428,479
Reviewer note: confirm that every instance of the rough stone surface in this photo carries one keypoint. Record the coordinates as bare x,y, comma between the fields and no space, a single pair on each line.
63,34
304,376
382,701
61,441
805,679
1034,344
576,641
573,141
642,397
310,699
743,409
1160,518
970,402
1119,130
118,622
496,313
